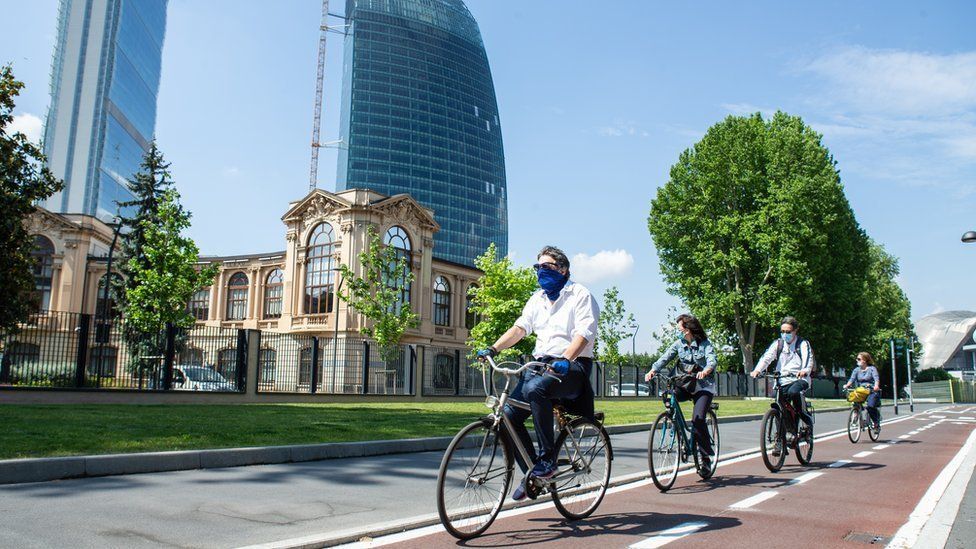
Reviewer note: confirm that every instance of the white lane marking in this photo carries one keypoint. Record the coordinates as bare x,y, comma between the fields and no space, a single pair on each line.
880,447
938,417
804,478
958,423
907,535
904,436
754,500
967,417
839,463
863,454
670,535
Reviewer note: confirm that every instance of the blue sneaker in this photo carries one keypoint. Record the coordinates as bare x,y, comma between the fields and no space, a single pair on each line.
543,469
519,493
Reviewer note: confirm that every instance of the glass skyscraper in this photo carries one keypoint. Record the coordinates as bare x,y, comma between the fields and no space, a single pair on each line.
105,78
419,116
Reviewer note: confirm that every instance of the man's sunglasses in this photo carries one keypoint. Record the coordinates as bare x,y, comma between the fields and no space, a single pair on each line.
548,265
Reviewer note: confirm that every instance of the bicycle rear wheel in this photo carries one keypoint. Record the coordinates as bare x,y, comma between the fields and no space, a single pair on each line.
772,440
663,452
473,479
875,431
583,468
711,424
854,425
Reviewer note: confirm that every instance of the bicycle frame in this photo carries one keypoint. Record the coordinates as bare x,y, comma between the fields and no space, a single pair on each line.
784,406
681,426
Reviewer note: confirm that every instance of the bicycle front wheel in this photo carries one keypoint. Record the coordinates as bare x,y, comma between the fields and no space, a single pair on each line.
663,452
473,479
772,441
582,468
854,425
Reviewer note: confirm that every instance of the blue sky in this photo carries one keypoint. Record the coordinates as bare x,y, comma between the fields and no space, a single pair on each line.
597,99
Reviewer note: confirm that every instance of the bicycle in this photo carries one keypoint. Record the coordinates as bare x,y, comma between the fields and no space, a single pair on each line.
777,421
857,422
476,471
670,441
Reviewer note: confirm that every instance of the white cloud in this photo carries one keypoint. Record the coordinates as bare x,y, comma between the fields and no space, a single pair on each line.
902,82
27,124
744,109
937,309
602,265
622,128
230,171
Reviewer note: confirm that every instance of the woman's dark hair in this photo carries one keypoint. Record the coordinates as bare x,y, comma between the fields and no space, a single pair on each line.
693,326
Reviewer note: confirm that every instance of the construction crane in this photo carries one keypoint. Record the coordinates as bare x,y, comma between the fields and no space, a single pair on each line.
317,144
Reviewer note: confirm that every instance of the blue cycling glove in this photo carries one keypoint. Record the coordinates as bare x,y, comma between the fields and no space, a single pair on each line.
490,351
560,366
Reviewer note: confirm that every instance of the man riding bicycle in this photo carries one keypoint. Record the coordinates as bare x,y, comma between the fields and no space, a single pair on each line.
793,356
563,315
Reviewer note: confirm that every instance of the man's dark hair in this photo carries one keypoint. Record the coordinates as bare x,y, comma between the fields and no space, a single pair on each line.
792,322
561,260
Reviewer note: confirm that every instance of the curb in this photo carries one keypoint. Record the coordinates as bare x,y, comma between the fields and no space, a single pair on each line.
19,471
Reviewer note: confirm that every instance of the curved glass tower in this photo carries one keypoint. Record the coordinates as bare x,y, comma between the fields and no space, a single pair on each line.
419,116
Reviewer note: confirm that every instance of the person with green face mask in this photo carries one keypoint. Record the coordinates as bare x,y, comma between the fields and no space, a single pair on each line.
793,357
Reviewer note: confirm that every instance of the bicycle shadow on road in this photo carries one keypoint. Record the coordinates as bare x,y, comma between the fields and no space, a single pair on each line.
617,524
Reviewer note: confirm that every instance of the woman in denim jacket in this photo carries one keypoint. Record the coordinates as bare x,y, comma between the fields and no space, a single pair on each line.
866,375
696,356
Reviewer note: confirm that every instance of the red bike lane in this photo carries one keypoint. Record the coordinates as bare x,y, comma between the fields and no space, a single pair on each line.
847,496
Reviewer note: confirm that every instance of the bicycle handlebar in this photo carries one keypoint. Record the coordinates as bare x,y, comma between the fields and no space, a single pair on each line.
515,371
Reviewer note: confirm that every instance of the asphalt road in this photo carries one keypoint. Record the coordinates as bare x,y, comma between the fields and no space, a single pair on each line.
262,504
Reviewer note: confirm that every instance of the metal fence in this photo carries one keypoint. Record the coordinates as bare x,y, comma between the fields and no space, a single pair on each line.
448,372
340,366
71,350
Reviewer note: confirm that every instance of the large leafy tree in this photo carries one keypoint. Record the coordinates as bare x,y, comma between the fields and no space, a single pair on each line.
498,299
23,181
377,293
615,324
164,277
753,224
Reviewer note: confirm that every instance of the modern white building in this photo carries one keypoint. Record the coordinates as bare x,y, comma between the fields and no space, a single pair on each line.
948,342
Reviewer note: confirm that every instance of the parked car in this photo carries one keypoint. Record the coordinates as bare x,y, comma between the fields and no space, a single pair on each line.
627,389
199,378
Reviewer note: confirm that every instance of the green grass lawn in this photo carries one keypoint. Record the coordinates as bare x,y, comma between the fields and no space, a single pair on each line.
65,430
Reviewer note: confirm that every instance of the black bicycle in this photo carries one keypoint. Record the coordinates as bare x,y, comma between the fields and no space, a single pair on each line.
671,443
779,433
477,468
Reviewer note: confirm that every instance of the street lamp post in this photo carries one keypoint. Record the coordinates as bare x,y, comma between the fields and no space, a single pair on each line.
908,358
969,237
894,375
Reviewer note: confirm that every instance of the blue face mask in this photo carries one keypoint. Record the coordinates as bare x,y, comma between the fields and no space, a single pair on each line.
788,338
552,282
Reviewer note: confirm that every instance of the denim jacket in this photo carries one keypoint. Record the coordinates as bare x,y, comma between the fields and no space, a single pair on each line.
696,353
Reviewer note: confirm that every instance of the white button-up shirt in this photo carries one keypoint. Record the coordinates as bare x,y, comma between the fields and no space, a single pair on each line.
790,360
574,313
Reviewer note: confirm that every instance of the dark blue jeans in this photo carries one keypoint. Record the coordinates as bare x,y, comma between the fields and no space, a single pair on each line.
699,428
874,400
540,391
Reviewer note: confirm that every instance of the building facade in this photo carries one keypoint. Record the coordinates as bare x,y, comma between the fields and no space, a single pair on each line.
104,84
288,291
949,341
419,116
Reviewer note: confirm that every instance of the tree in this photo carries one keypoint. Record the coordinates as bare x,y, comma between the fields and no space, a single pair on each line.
613,327
23,181
498,299
164,277
752,225
888,313
377,294
148,187
932,374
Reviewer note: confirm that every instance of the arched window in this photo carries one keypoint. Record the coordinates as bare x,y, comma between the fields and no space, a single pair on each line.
110,308
398,238
199,306
43,256
267,360
272,293
470,317
320,270
442,302
227,365
444,372
102,361
237,297
191,356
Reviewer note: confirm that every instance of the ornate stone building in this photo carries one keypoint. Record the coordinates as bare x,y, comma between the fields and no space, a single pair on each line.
288,291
